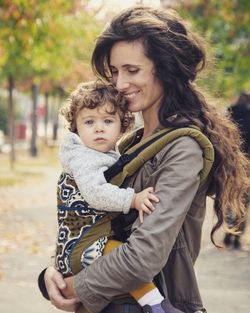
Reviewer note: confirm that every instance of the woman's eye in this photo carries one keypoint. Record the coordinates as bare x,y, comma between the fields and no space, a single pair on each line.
113,71
133,70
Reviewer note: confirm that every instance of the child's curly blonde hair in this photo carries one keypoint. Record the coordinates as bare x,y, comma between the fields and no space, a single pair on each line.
92,95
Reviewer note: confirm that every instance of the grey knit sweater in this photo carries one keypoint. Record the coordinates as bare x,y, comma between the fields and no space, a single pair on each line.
87,167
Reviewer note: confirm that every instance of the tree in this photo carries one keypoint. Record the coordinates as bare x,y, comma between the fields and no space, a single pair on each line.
226,25
42,41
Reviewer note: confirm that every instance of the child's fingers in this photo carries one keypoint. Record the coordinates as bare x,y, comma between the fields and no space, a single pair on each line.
149,205
153,197
145,209
141,217
150,189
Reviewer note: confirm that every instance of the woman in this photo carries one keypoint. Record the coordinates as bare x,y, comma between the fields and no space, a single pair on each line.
152,58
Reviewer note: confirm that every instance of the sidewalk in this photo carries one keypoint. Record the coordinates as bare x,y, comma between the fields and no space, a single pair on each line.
224,274
27,232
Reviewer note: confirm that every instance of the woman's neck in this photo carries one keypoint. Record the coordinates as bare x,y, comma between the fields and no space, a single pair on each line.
151,121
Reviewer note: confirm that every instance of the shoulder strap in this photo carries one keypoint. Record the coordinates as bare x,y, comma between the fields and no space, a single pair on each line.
132,153
140,153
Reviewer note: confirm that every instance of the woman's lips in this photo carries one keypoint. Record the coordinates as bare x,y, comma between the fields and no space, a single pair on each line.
131,95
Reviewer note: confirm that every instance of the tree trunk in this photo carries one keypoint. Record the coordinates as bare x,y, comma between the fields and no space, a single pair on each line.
55,119
11,121
33,146
46,117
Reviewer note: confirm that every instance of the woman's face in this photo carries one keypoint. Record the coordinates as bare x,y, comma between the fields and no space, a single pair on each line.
134,75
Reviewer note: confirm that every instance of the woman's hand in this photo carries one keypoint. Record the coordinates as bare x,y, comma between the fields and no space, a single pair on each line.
69,292
60,292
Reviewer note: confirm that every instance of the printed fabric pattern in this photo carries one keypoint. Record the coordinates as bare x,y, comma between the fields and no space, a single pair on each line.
75,218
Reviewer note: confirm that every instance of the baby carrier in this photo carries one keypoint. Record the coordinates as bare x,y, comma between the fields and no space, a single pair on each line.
100,225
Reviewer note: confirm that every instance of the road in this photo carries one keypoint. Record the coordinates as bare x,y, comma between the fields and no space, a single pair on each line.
27,232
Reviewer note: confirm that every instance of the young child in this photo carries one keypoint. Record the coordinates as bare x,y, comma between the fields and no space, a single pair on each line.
97,115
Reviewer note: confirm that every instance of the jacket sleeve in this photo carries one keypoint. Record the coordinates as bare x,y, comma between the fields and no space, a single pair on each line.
87,167
147,249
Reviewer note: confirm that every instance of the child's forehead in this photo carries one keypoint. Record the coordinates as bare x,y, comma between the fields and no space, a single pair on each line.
103,109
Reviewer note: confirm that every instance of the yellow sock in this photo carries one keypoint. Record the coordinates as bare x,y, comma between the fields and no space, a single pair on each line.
139,292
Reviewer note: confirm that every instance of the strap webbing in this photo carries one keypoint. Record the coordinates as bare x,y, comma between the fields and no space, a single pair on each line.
126,158
143,151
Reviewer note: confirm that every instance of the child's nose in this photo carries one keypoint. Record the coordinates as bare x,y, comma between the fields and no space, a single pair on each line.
99,128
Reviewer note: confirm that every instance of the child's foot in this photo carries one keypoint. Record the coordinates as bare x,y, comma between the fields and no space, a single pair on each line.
164,307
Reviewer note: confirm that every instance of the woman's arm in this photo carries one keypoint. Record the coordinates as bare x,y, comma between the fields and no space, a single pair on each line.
146,252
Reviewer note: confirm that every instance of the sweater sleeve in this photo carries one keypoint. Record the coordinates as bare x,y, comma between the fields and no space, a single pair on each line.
87,167
147,249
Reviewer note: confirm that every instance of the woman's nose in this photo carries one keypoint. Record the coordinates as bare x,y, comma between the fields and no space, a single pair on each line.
121,83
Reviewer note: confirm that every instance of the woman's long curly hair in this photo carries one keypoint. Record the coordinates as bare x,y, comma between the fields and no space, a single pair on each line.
178,55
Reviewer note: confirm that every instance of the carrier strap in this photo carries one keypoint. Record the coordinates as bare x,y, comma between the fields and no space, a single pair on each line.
128,157
143,151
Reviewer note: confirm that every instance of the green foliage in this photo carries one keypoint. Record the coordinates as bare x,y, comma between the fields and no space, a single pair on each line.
44,40
226,25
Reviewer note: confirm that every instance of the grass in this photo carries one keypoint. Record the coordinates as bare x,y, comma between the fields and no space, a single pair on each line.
26,167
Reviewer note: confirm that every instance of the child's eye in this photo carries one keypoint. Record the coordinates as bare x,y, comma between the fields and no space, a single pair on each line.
108,121
89,122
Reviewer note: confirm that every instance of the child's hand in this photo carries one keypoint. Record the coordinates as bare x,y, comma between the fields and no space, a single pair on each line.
142,202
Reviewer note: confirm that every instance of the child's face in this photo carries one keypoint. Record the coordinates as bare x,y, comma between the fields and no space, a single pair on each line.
98,129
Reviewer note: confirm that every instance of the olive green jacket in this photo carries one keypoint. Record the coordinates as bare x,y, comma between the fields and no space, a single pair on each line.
167,244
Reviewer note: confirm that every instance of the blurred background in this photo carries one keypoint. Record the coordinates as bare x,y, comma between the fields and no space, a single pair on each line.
45,51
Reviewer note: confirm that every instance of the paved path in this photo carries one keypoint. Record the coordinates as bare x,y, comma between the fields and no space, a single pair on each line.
27,232
224,274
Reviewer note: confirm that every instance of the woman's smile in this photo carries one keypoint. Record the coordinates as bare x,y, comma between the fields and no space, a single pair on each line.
131,95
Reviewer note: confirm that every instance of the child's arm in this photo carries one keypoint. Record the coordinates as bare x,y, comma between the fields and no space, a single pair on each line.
87,167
